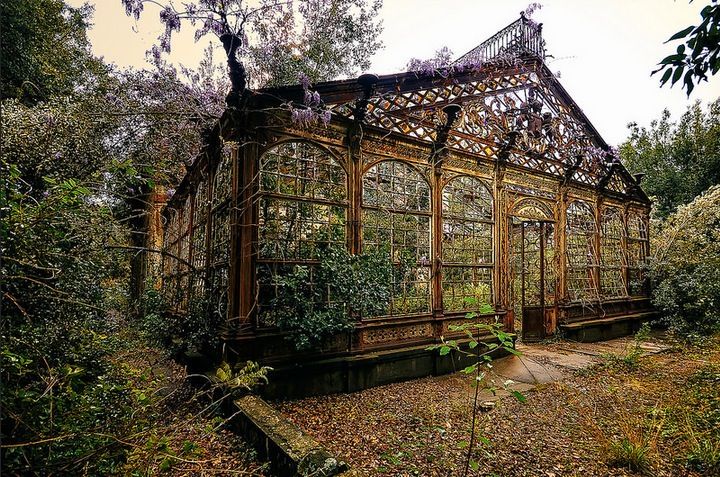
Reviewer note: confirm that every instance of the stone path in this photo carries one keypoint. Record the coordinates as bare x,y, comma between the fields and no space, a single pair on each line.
548,362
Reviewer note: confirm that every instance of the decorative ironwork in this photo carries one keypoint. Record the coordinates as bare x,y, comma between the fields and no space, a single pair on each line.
460,176
521,37
301,212
637,251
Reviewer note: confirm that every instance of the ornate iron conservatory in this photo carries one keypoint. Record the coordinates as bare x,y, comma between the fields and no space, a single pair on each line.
483,179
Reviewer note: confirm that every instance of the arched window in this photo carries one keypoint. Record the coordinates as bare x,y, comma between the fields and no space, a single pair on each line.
581,253
301,212
611,253
396,218
637,251
467,210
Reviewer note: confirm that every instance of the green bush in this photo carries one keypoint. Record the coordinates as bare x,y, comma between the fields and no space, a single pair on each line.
176,333
686,269
312,308
62,398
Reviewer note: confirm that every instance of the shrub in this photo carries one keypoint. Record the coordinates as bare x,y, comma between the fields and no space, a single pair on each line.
176,333
342,287
630,455
686,268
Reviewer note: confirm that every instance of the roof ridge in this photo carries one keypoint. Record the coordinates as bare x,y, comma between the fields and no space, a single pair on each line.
519,38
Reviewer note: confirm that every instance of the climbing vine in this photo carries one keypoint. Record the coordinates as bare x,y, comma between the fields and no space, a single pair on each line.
314,303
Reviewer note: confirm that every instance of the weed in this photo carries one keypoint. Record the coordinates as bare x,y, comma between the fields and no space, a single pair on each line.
630,359
630,455
704,456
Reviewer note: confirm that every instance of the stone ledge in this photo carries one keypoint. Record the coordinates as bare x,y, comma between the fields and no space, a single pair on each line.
288,449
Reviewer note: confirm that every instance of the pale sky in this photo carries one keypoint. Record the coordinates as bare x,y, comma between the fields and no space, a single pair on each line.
604,49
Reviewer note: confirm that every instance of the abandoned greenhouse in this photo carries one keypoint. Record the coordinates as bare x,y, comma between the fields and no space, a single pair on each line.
479,182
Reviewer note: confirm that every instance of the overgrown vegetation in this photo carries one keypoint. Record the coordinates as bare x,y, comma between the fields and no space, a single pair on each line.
686,267
314,308
84,146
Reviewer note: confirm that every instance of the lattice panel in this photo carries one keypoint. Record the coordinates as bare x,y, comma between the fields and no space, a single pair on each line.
395,186
199,251
637,226
295,230
617,183
220,246
218,296
396,219
611,253
405,236
397,333
510,106
467,222
184,248
466,288
222,180
581,254
302,170
202,203
467,198
637,249
270,288
303,203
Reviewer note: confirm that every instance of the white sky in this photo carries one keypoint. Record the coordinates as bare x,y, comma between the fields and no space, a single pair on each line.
604,49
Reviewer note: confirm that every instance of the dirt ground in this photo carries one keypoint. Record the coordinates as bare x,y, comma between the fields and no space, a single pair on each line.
603,412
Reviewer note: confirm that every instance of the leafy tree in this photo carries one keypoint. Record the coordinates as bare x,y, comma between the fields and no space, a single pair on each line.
680,159
44,49
686,266
699,55
321,39
77,160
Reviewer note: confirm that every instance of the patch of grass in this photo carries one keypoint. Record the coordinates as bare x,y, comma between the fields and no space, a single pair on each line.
631,455
704,457
630,359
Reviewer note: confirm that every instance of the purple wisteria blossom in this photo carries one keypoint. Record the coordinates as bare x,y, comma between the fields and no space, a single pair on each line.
312,111
133,8
530,11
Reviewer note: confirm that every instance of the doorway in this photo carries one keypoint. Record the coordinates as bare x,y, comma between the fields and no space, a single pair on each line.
533,276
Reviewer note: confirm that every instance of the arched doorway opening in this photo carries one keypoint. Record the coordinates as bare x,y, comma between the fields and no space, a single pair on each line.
533,269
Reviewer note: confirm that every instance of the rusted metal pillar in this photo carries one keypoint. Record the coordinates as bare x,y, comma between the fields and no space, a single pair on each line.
437,236
624,246
561,243
597,273
439,152
247,159
501,270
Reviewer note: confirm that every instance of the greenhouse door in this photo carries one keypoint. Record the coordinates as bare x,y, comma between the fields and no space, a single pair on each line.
535,243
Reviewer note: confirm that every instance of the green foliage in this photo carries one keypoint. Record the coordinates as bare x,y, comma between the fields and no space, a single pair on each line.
44,49
704,456
177,333
480,352
686,268
680,159
700,53
60,395
313,304
631,455
242,379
